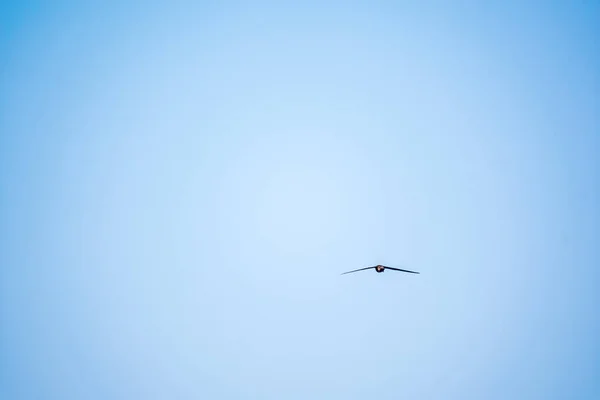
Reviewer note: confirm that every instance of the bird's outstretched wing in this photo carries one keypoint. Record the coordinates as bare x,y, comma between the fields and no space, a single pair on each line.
356,270
402,270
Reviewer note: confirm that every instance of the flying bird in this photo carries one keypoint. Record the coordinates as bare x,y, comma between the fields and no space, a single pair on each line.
380,268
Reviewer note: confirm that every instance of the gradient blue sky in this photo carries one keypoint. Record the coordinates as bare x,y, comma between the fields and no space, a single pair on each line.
181,186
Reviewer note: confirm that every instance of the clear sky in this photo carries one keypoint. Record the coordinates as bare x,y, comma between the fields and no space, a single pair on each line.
182,185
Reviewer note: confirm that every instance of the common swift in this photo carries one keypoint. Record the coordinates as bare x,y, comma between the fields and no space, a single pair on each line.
379,269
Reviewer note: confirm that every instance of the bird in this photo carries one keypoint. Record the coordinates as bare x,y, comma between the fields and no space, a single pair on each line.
380,268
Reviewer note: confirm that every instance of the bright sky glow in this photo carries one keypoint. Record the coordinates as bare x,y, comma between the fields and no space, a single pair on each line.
181,186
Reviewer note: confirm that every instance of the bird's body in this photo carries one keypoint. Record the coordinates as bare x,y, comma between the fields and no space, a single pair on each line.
380,268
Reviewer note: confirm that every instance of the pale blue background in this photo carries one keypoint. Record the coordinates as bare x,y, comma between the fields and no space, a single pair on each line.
181,186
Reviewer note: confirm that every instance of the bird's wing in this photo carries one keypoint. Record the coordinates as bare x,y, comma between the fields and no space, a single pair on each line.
402,270
356,270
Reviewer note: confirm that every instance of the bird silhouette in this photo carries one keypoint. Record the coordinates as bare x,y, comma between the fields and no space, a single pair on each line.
380,268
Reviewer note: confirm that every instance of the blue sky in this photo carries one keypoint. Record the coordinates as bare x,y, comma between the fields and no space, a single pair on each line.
181,186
